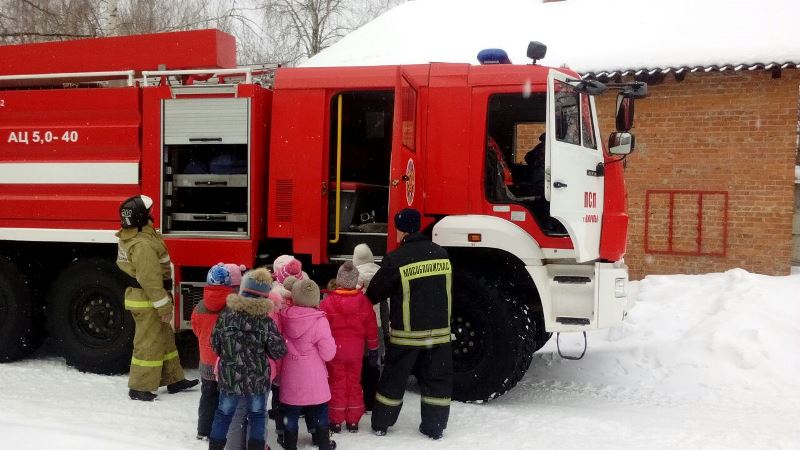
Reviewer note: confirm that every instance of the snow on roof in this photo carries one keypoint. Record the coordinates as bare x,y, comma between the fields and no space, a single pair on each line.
590,36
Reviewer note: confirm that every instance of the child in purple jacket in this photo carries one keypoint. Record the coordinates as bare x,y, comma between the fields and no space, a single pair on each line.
304,378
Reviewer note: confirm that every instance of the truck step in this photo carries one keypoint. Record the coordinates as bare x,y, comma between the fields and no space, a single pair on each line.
573,320
570,279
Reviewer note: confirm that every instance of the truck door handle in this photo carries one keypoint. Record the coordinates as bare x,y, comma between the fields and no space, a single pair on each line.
559,185
395,181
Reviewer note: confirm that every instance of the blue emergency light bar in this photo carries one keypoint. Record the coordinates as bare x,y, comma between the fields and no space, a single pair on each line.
493,56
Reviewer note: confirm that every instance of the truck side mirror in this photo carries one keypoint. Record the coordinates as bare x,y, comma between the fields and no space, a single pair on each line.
621,143
624,112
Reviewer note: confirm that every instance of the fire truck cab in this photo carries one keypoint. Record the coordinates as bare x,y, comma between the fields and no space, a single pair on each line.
505,162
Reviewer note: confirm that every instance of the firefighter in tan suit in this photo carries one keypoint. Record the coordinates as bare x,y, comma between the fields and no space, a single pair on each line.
144,257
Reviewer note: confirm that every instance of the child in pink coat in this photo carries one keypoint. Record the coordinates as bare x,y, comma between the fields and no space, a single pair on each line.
353,324
304,378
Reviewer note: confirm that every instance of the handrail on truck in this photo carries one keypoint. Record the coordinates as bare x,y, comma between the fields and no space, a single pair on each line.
129,74
247,71
338,168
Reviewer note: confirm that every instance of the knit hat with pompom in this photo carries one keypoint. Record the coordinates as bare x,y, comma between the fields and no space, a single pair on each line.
236,271
347,277
256,283
305,293
285,266
362,255
218,275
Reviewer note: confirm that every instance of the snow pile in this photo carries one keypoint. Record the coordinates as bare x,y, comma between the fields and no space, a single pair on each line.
586,35
706,361
701,335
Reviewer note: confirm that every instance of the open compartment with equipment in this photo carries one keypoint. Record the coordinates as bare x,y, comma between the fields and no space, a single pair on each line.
206,156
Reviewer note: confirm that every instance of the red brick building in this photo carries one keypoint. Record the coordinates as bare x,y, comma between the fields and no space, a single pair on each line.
711,184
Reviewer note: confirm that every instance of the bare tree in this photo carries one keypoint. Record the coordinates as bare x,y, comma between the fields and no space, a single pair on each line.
36,20
299,29
267,31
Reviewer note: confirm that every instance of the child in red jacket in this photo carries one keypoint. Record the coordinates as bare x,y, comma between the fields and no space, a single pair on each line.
352,322
204,317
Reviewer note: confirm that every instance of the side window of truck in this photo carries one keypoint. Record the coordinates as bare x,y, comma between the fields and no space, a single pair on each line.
587,124
567,113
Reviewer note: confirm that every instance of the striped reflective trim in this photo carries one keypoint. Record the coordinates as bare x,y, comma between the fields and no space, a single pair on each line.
421,333
388,401
146,363
436,401
406,304
424,342
429,268
137,304
69,173
163,302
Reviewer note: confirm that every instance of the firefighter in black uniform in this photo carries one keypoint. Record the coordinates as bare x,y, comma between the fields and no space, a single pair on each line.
416,278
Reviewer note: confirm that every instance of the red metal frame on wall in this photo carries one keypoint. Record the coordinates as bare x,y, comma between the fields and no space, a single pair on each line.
699,239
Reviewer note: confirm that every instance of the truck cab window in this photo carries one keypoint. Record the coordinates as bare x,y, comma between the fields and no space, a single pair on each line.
567,114
587,124
514,169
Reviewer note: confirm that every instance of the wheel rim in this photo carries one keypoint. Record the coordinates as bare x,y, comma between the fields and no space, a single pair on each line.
96,317
469,341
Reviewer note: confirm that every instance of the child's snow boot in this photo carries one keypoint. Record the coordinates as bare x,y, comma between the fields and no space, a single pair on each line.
352,427
336,428
289,440
144,396
281,438
323,438
214,444
256,444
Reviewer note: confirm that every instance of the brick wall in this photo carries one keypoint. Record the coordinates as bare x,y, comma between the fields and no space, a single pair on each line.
726,132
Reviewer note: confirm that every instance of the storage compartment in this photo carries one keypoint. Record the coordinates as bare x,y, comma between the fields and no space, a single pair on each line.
206,179
206,121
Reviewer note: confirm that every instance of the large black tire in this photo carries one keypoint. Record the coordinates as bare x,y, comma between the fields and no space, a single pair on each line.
87,317
495,334
18,332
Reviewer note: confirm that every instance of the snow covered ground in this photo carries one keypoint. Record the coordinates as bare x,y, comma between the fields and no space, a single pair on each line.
702,362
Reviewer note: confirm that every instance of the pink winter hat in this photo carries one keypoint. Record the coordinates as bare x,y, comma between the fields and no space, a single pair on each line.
286,266
236,271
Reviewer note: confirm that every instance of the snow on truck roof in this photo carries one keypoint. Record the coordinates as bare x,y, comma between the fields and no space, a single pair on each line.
596,37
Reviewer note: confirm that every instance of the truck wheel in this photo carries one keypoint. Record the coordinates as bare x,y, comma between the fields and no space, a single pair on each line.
88,320
18,337
494,338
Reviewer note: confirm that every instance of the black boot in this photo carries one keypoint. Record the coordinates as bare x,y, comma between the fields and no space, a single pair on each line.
182,385
323,438
142,395
256,444
289,440
435,435
281,438
214,444
352,427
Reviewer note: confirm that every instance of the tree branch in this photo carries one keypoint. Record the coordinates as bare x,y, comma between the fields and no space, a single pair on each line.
37,34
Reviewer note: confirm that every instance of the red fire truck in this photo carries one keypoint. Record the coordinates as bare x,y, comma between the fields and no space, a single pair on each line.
245,164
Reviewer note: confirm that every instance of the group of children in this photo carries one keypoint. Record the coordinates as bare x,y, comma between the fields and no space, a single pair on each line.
260,331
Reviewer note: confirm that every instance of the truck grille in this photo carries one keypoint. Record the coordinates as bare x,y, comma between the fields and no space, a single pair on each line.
191,295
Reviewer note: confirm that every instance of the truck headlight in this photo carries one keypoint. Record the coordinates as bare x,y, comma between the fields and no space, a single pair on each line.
619,287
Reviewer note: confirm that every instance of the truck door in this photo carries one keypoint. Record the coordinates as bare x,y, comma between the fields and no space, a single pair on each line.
403,175
573,181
